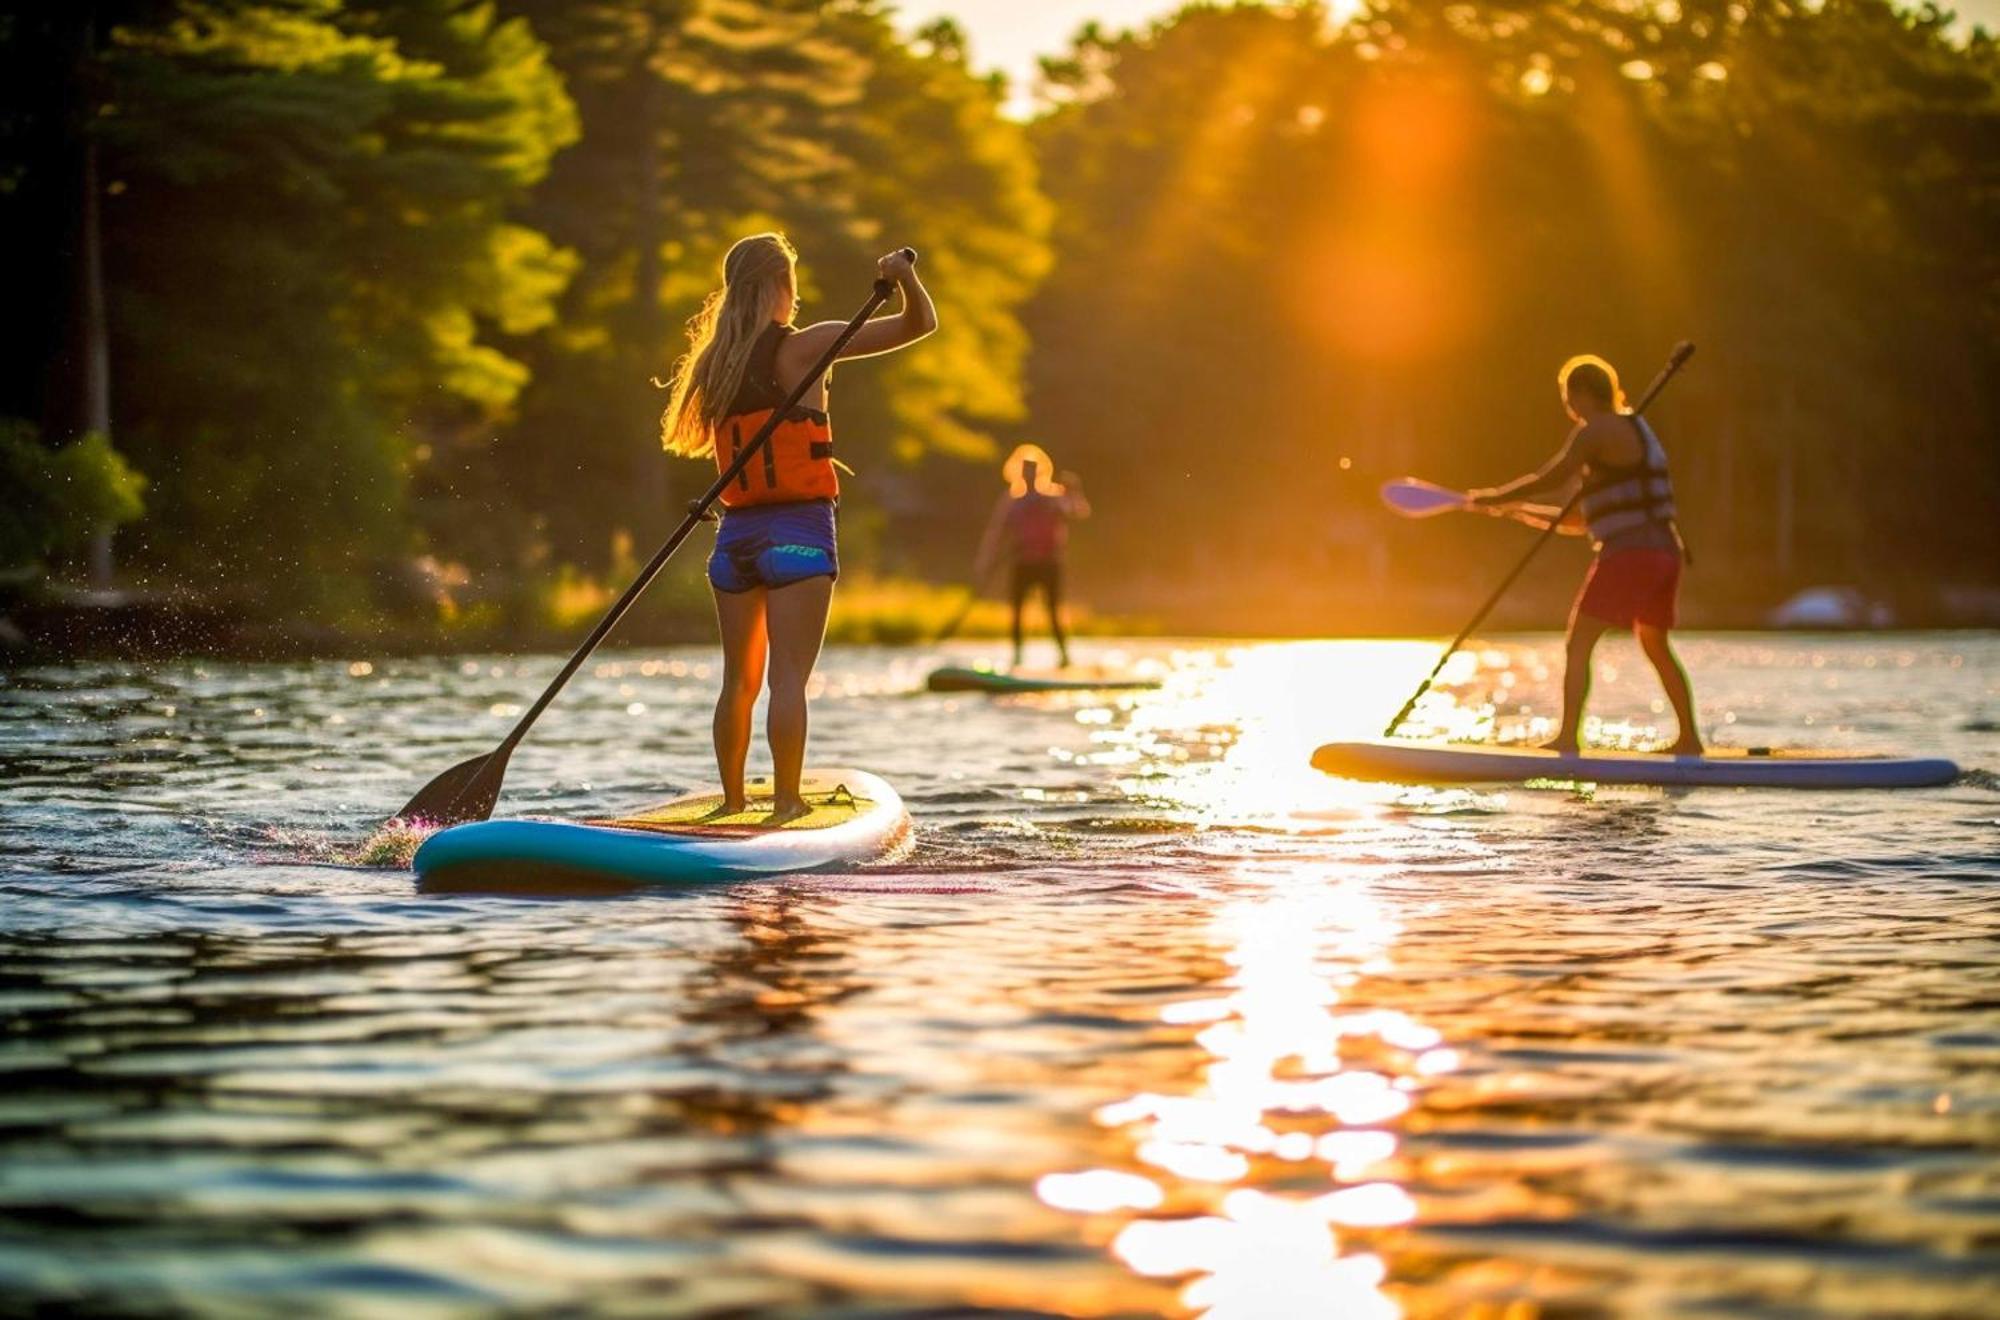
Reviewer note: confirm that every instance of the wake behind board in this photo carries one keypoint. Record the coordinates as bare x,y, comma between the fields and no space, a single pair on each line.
960,678
1442,763
855,817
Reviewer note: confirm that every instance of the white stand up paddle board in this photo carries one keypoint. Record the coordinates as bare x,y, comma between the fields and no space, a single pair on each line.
1757,767
855,817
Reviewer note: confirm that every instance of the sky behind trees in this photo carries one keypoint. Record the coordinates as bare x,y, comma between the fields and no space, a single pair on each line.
1011,35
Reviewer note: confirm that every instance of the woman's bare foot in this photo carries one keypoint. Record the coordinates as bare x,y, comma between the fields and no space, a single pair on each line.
1562,747
726,810
784,812
1689,744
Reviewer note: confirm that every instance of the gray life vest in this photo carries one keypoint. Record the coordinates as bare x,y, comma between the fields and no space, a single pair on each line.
1632,505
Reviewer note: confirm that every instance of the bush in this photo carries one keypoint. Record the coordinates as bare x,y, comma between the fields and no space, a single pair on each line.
57,498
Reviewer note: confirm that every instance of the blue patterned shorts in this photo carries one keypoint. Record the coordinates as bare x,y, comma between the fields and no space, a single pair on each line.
773,545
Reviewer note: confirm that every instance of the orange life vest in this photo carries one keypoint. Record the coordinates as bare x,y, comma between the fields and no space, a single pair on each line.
796,463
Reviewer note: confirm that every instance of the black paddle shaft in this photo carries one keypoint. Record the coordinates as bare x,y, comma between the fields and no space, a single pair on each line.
468,791
1682,352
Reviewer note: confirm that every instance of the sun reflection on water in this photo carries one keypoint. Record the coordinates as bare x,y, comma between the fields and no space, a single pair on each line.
1236,739
1257,1177
1264,1182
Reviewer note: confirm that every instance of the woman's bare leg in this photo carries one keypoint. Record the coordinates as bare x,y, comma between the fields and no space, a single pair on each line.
1052,594
745,643
797,616
1659,648
1018,588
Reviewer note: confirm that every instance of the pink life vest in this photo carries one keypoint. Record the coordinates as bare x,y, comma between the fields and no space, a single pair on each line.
1038,525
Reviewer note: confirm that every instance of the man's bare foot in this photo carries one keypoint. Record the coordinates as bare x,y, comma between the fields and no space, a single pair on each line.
784,812
1562,747
1688,745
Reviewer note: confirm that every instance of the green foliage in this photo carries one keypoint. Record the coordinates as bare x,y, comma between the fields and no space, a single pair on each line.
391,277
58,498
312,262
1285,242
702,122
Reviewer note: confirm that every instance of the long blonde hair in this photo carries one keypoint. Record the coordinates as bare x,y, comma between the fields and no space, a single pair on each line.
756,277
1014,471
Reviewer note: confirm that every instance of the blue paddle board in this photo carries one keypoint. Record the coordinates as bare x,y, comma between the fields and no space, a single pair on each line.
855,817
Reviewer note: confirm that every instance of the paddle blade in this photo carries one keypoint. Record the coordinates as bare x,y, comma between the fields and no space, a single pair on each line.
467,791
1420,499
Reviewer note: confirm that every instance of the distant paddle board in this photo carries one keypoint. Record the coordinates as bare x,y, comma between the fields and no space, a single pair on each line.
1446,763
855,817
956,678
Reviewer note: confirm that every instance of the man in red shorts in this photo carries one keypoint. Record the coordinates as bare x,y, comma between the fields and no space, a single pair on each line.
1628,509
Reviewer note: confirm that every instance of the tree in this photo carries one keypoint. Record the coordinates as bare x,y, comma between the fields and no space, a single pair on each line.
1297,256
705,120
307,253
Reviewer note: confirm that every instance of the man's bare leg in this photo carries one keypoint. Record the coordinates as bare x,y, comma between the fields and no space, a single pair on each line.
1659,649
1583,634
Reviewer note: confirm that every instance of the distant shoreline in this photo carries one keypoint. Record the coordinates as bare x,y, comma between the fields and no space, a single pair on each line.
153,629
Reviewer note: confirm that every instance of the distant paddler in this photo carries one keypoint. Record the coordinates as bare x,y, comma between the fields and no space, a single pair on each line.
1030,526
1627,509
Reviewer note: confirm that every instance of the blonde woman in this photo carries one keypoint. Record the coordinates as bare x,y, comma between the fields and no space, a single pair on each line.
775,557
1030,522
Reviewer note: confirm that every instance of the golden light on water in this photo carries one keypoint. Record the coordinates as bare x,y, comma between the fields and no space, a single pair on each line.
1269,707
1277,1088
1098,1191
1297,1080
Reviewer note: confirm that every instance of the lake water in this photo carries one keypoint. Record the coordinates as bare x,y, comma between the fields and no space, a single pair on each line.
1154,1019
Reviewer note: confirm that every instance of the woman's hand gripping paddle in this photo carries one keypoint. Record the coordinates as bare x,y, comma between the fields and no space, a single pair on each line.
469,790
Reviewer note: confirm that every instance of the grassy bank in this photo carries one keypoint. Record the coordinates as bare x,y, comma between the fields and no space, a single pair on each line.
55,620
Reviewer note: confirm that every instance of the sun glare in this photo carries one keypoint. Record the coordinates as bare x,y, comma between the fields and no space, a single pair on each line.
1390,280
1297,1080
1278,1087
1273,704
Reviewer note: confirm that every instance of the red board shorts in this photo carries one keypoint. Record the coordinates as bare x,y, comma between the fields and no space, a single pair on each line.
1628,587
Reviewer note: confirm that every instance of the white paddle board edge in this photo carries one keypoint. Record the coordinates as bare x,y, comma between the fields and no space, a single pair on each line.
1389,761
571,856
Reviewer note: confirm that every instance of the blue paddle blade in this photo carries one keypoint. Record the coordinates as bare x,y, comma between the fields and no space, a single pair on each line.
1420,499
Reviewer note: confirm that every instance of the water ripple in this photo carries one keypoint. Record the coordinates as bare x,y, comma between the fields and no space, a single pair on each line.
1153,1020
